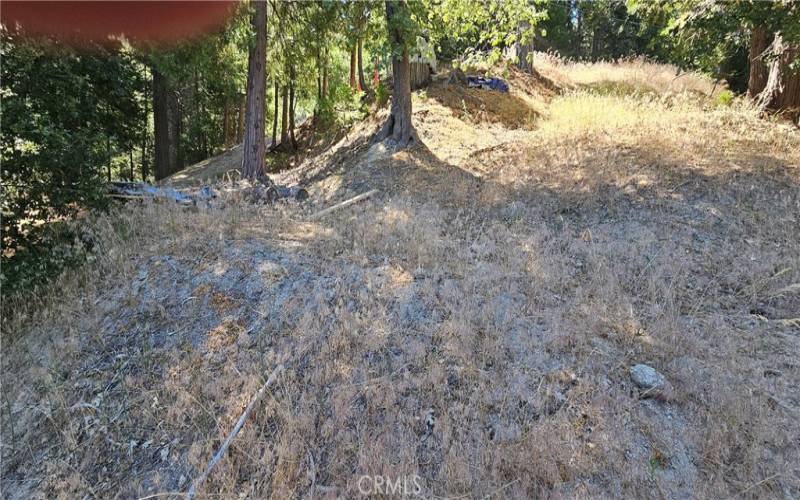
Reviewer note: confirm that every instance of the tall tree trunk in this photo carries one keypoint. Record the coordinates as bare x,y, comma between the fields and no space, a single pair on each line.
275,116
362,84
199,140
578,29
175,131
254,138
758,67
353,66
167,127
398,126
285,117
160,125
144,132
596,37
291,115
130,157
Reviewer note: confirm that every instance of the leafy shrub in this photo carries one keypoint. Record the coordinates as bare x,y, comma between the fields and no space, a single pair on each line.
57,246
725,98
381,95
64,114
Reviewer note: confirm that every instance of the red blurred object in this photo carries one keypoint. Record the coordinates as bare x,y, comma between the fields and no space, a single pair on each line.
100,21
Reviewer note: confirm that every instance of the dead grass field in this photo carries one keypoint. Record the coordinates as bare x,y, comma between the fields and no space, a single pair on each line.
473,323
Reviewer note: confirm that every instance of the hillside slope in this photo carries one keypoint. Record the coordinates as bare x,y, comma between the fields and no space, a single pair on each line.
472,324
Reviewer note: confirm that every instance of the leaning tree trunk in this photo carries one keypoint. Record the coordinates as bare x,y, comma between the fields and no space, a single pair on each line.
254,138
758,67
398,126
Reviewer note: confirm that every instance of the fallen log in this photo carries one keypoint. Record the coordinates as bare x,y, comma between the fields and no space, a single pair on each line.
344,204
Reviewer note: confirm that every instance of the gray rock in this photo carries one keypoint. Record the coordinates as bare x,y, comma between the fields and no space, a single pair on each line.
652,383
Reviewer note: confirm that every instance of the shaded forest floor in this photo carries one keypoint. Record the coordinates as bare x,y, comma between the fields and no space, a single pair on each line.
473,323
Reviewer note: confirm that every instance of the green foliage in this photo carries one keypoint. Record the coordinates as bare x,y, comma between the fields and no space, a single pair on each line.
206,74
714,37
381,95
65,117
60,245
725,98
455,26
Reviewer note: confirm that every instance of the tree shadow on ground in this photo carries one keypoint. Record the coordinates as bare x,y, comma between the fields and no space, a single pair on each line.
481,106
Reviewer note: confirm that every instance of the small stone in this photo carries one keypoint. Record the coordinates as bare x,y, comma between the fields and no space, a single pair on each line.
652,383
430,420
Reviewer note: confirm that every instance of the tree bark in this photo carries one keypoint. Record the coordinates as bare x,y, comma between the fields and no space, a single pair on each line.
398,126
782,89
788,100
353,66
167,124
362,84
285,117
160,125
597,35
758,67
254,138
292,103
325,75
144,133
275,116
524,51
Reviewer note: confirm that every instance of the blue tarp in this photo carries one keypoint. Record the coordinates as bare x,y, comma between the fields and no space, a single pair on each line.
487,83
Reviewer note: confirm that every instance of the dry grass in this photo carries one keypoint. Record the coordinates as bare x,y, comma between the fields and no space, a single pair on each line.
638,75
473,324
